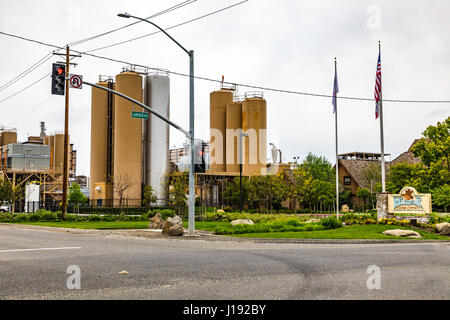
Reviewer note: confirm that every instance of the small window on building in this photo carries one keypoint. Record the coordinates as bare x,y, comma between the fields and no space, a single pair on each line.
347,181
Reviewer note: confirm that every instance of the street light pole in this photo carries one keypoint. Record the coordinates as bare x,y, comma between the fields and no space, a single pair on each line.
191,202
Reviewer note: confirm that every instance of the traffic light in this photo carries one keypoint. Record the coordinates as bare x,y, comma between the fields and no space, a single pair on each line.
58,78
200,164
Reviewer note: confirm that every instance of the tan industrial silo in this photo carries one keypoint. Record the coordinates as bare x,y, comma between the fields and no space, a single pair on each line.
128,136
233,130
254,123
102,104
51,143
8,137
217,124
58,152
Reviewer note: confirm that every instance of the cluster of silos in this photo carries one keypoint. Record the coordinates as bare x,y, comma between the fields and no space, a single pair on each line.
228,118
56,143
126,150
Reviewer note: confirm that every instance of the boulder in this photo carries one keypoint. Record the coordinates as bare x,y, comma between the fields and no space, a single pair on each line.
443,228
345,208
173,226
157,222
176,230
402,233
312,220
241,221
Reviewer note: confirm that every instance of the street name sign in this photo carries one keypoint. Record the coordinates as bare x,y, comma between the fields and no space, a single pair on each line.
139,115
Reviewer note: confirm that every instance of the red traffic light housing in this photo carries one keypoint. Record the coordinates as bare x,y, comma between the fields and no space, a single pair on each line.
58,79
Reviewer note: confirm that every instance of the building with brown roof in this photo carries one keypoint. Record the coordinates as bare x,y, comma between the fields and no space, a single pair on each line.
352,166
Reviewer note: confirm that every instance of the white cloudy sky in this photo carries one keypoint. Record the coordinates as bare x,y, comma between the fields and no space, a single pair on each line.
284,44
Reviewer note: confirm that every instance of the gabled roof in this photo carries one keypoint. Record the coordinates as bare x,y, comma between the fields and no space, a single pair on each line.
355,168
407,157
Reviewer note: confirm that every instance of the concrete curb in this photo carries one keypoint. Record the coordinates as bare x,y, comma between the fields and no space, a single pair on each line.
201,235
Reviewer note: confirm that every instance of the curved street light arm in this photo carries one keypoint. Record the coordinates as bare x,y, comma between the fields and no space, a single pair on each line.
126,15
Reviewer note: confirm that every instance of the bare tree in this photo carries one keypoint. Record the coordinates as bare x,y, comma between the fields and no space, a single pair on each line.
371,175
121,184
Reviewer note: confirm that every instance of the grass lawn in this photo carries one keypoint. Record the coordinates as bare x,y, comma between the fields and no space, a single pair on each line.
208,225
348,232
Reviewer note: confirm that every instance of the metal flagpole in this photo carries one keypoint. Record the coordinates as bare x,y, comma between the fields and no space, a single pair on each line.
336,136
383,167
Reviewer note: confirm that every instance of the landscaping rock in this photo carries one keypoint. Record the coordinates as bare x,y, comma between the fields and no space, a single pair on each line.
241,221
345,208
443,228
312,220
402,233
157,222
173,226
176,230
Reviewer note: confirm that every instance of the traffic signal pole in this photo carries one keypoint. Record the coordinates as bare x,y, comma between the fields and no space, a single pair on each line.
66,141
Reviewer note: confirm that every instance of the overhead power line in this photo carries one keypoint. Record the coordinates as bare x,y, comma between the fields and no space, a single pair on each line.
261,87
175,7
168,28
29,111
27,71
30,85
217,81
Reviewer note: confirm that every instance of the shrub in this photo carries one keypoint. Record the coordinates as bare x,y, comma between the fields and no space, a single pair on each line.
71,217
35,216
293,222
41,211
48,216
330,223
132,218
81,218
20,217
166,213
94,218
6,216
109,218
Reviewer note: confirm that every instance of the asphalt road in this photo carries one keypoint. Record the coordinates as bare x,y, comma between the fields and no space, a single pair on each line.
161,268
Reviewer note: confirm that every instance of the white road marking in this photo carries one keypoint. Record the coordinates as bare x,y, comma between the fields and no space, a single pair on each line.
39,249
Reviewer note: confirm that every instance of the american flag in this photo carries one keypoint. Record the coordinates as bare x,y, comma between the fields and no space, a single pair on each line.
378,88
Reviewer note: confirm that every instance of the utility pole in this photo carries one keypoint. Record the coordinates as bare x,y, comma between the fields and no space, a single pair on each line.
66,141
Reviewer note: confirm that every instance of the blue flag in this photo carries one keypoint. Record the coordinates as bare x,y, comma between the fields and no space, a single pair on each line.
335,90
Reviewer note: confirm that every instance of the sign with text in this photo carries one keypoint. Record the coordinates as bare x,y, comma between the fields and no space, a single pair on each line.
409,201
139,115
